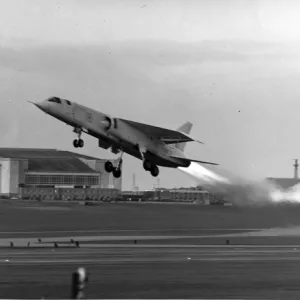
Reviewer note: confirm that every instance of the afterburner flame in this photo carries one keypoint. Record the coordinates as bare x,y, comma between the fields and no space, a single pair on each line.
203,175
241,191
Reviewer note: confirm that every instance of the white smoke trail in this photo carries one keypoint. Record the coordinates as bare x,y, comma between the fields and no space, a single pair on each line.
290,195
241,191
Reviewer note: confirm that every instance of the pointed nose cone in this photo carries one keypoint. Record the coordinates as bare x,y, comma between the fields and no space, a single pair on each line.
40,105
32,103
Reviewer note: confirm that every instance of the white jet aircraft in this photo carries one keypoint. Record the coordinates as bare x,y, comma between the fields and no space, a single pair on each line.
155,146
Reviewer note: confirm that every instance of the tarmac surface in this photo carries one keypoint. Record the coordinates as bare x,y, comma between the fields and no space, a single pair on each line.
150,270
141,252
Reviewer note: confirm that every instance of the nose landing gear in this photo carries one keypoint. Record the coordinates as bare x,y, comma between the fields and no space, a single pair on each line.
78,143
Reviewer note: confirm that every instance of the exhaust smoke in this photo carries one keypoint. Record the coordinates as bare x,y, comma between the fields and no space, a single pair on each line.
240,191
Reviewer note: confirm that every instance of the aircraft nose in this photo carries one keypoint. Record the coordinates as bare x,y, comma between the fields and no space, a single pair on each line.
41,105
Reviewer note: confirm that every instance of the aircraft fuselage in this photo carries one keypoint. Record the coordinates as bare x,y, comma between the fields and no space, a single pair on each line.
113,133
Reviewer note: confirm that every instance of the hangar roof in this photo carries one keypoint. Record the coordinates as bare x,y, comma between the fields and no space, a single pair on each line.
40,153
65,165
50,160
284,183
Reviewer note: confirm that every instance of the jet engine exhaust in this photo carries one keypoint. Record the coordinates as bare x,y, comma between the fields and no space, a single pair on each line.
241,191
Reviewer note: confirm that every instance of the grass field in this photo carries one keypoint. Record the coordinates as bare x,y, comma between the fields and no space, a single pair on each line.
142,279
49,217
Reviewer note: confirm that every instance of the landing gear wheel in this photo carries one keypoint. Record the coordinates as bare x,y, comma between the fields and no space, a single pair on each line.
147,165
117,173
108,166
75,143
154,171
80,143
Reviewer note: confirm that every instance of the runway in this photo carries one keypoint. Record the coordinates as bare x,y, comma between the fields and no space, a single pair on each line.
108,254
145,264
136,271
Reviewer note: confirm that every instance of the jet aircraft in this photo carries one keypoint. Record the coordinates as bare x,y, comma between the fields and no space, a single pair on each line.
155,146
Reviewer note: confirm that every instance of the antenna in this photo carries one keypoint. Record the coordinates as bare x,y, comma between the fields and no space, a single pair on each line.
134,187
133,181
296,169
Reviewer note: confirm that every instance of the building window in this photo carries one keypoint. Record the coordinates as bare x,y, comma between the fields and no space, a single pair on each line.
68,179
44,179
31,179
61,179
56,179
79,180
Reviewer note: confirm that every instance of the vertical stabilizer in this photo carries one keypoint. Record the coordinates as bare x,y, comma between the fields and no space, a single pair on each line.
185,128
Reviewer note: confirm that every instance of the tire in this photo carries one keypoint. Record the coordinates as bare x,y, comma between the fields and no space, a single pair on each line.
154,171
75,143
117,173
80,143
108,166
147,165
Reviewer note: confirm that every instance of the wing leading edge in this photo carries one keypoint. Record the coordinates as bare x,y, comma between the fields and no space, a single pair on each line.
167,136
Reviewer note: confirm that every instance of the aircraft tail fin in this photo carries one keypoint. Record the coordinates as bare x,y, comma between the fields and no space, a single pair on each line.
185,128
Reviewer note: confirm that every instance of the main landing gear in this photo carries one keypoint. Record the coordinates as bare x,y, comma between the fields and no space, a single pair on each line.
78,143
117,171
148,166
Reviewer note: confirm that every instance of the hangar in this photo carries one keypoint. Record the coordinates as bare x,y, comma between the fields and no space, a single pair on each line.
52,168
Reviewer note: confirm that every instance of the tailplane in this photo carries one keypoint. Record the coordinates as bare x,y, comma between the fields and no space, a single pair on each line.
185,128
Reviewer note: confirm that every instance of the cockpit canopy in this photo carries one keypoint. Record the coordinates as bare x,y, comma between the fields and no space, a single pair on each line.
55,100
58,100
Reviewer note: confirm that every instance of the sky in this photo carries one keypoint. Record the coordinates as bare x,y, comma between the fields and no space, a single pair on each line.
232,68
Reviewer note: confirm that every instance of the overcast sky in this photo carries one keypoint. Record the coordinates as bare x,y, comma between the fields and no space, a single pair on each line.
230,67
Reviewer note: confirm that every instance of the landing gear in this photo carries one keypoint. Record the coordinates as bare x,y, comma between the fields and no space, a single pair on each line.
148,166
117,171
78,143
108,166
154,171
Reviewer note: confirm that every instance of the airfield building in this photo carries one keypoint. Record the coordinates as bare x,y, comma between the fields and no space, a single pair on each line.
286,183
168,195
23,170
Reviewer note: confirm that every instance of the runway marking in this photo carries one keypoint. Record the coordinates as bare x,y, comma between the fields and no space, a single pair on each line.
145,260
123,250
134,230
181,246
